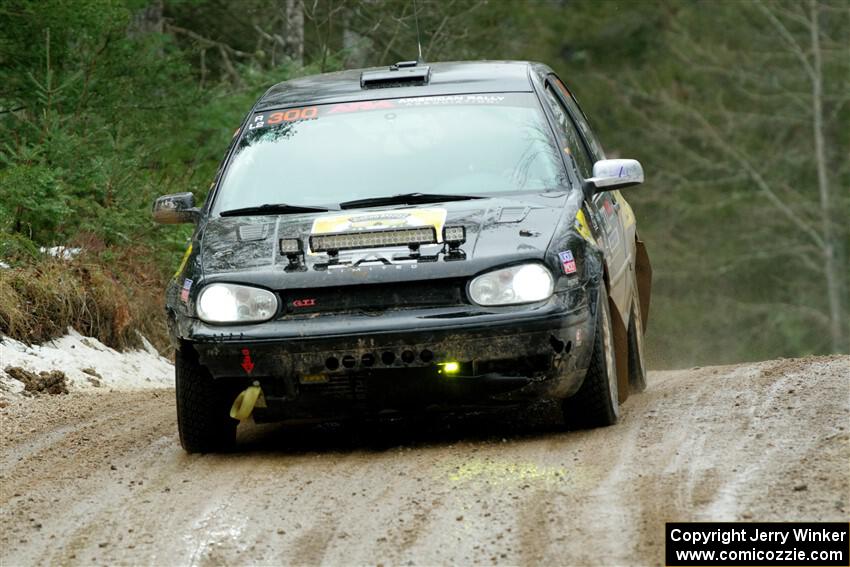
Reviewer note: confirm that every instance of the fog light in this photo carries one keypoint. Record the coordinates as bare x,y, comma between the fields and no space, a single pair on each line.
454,235
290,246
451,367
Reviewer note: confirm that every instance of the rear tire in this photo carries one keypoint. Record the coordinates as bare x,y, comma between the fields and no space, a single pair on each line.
203,409
596,402
637,364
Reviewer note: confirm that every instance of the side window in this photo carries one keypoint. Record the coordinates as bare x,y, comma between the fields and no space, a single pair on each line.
580,119
575,147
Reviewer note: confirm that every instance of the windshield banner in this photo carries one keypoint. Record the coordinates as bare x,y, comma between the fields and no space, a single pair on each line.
273,118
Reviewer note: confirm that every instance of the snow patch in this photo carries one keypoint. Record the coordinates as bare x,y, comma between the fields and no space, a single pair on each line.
64,252
105,367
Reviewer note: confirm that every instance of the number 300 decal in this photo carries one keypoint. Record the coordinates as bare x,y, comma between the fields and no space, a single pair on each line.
293,114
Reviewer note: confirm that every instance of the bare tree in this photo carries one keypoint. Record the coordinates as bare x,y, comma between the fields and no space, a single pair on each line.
293,30
813,65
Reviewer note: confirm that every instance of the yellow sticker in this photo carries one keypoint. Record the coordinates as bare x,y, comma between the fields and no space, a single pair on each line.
583,228
381,220
183,262
314,378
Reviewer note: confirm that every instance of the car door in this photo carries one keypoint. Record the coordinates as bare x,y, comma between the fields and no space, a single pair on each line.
605,207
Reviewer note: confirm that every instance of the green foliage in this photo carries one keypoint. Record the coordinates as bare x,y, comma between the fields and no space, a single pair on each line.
33,203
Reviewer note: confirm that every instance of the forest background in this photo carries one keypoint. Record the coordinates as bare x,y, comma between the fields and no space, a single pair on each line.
738,111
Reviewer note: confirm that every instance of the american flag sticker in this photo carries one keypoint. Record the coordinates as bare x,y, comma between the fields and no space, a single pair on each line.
568,261
184,293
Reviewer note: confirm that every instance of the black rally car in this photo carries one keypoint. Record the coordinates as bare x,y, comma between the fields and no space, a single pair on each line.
420,236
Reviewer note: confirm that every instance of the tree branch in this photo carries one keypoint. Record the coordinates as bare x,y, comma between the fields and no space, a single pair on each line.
789,39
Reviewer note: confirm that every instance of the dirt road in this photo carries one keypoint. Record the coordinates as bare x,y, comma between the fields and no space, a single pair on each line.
101,479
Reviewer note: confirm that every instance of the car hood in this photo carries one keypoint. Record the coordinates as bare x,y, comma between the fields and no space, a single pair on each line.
499,231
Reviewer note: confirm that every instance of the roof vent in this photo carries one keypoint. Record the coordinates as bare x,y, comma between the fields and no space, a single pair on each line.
402,74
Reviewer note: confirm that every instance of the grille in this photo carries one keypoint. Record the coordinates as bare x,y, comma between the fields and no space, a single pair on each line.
375,297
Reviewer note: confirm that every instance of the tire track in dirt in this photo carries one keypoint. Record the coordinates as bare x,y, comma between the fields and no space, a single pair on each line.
100,478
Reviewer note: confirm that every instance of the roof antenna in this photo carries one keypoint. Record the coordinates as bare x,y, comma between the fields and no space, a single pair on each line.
418,36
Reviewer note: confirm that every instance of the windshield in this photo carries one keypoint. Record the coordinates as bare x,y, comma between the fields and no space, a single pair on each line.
326,154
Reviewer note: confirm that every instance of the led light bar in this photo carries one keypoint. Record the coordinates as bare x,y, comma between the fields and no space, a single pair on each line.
373,239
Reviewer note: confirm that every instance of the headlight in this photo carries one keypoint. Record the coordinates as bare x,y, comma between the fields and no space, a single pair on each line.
518,284
231,303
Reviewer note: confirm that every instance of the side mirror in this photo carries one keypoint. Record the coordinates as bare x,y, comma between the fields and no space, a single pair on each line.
610,174
175,209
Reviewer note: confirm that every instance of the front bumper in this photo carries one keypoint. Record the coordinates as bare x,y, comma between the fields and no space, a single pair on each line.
333,366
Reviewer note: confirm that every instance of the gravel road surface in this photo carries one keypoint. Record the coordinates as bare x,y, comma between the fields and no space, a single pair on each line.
100,478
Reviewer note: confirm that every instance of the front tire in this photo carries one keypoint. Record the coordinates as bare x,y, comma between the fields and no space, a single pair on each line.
596,403
203,409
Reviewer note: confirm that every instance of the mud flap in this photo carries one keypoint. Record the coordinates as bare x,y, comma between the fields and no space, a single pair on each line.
621,351
643,274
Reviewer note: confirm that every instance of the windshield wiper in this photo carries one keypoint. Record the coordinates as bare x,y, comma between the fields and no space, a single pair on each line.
278,209
406,199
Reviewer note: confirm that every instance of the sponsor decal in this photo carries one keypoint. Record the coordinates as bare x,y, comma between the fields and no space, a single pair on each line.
257,123
293,115
184,293
582,227
611,228
364,105
277,118
451,99
568,261
289,115
314,378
